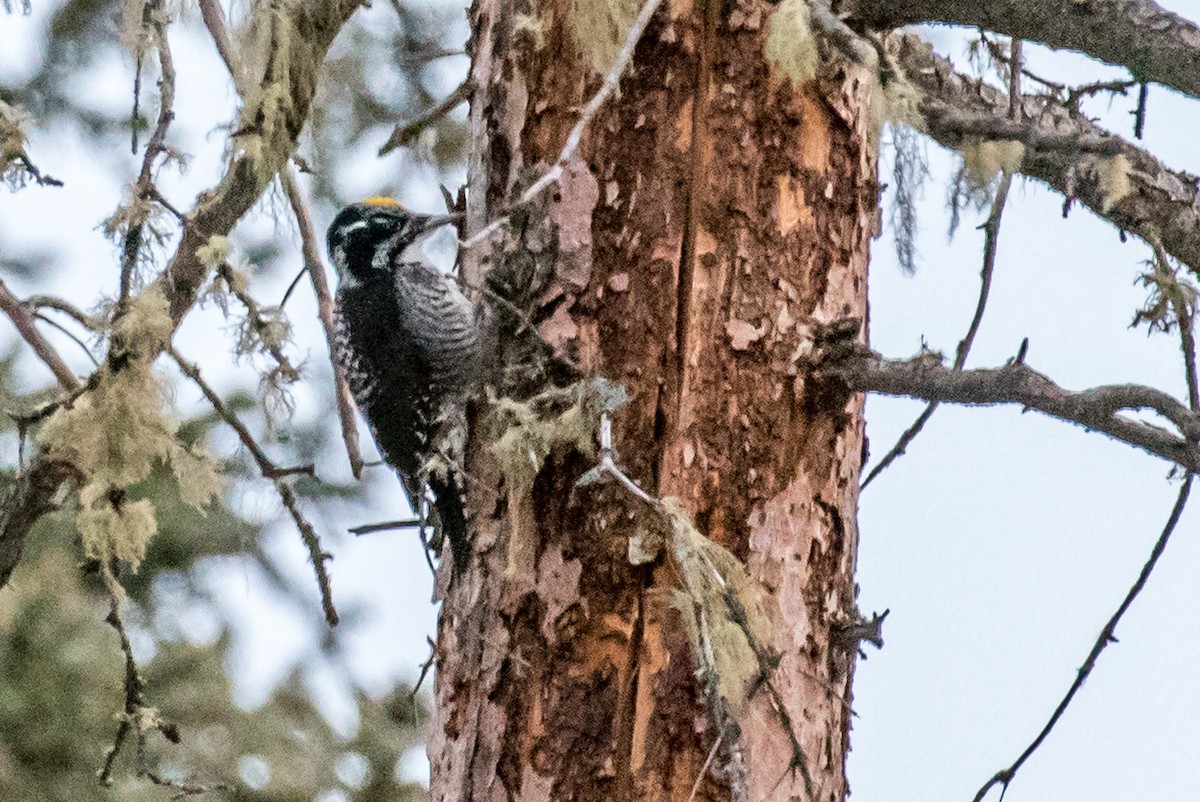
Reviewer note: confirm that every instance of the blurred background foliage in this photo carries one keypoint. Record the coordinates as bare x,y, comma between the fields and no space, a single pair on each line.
61,668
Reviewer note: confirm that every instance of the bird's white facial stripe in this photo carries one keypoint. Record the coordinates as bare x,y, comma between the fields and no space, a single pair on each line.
353,227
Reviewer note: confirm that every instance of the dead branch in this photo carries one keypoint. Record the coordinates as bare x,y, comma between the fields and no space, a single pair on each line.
1163,205
259,321
251,170
22,319
31,169
316,274
1155,44
214,21
1107,636
404,133
144,190
1098,409
136,717
954,123
271,471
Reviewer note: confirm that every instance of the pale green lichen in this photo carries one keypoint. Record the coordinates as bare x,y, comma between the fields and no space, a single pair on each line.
1172,297
279,67
215,252
13,120
791,47
1114,180
529,436
118,432
146,321
136,32
902,101
599,29
984,159
722,611
531,26
114,530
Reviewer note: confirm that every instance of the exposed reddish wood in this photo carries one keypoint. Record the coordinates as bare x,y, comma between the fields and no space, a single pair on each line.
729,212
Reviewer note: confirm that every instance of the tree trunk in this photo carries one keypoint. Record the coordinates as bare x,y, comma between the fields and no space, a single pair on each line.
715,216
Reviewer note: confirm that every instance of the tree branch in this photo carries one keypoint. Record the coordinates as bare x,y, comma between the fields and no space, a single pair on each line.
405,132
22,319
1153,43
293,61
1163,206
270,470
143,189
1106,637
254,167
1098,409
316,274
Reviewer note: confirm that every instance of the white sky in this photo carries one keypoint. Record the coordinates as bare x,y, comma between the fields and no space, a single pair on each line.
1001,542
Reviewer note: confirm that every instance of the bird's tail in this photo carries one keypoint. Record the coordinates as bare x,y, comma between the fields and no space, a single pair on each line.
452,518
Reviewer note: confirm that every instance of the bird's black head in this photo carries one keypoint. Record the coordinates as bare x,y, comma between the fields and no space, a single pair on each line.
365,237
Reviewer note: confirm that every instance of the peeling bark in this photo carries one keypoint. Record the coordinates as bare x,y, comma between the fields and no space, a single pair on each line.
715,216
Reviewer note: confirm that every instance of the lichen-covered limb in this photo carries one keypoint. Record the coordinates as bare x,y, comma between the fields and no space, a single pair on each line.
1155,44
1098,408
291,66
276,104
1160,205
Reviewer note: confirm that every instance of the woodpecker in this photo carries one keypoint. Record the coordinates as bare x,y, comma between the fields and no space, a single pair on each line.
407,340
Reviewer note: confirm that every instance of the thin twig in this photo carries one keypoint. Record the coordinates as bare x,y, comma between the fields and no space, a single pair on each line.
428,664
136,717
291,288
1106,637
991,241
259,322
69,334
712,753
59,305
269,470
385,526
611,80
1139,113
316,555
1185,316
143,189
316,274
38,176
214,21
405,132
21,318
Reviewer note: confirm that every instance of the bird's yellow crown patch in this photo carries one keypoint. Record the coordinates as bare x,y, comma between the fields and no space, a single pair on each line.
380,200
